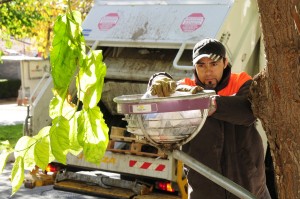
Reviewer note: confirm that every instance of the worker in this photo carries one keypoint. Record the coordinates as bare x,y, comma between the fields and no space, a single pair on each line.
228,142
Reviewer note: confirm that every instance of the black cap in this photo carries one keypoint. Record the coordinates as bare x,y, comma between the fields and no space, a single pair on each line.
210,48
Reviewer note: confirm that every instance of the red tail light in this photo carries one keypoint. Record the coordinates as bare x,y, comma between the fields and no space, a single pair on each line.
164,186
52,168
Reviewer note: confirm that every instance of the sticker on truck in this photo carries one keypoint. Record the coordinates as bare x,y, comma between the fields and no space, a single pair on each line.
192,22
108,21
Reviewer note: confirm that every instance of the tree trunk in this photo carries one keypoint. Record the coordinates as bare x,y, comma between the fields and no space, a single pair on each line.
276,91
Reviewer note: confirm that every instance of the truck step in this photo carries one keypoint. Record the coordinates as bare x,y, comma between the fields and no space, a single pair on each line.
113,192
94,190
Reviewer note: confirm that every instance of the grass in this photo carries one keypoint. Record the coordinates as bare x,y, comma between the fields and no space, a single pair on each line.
12,133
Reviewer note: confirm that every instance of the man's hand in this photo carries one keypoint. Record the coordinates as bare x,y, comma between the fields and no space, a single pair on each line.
162,86
213,105
187,88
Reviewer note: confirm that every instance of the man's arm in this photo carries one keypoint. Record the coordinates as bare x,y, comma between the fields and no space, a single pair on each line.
235,109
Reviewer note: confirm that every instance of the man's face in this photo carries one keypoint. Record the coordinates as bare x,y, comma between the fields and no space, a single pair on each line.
210,72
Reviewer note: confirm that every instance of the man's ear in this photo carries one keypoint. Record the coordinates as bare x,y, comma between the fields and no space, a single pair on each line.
225,63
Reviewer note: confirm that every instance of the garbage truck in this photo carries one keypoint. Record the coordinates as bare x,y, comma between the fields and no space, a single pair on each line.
138,39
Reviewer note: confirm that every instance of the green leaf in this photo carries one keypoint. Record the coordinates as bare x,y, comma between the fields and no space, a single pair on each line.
42,149
3,159
25,149
55,107
17,174
92,134
67,47
59,138
6,150
69,109
75,148
91,80
61,107
4,144
75,16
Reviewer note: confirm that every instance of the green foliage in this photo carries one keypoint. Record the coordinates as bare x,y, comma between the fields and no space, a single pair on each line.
18,17
6,149
17,174
73,130
42,150
90,93
34,19
59,136
25,149
70,49
11,133
92,133
3,156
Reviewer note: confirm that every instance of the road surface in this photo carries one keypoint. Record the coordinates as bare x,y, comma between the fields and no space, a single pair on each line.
44,192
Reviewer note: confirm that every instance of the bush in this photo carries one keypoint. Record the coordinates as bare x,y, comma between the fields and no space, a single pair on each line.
9,88
12,133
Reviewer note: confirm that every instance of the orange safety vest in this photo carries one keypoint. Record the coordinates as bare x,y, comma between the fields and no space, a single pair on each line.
235,83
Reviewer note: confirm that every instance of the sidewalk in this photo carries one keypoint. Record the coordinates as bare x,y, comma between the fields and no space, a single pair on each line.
11,113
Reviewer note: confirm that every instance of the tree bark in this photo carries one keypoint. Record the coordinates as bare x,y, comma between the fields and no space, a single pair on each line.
275,92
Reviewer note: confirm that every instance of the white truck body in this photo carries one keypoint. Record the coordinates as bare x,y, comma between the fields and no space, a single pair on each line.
140,38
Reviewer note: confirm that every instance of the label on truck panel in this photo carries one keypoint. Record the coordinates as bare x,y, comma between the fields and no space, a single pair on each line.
192,22
143,108
108,160
147,165
108,21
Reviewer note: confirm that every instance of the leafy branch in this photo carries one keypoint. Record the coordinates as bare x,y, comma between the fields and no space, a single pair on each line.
72,130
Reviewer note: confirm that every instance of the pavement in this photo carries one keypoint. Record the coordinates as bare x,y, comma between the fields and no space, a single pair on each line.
43,192
11,113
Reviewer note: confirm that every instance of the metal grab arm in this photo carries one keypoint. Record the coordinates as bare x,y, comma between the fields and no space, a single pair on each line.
177,57
213,175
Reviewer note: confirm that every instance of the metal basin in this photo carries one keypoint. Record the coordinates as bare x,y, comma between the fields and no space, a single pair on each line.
166,122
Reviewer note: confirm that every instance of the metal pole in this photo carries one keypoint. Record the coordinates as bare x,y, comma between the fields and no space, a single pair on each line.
213,175
177,58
